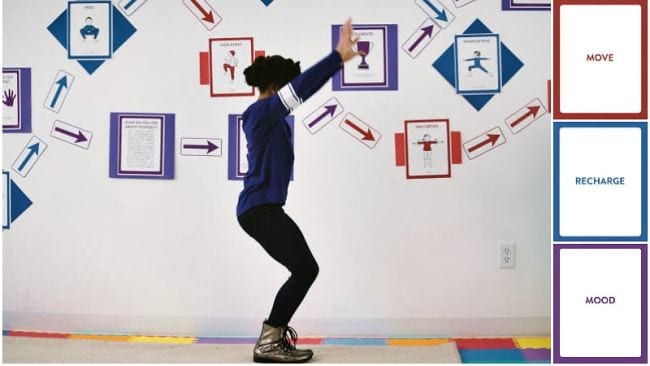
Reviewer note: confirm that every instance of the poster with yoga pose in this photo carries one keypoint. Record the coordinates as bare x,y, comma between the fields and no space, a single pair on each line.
228,59
89,30
478,65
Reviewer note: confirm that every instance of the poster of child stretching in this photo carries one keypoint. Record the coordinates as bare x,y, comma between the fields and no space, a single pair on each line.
427,149
89,30
229,57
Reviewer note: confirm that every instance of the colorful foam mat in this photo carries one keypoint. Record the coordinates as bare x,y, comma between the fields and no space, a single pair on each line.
472,350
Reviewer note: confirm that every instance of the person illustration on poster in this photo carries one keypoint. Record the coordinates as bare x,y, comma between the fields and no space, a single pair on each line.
230,65
9,97
426,143
477,63
282,88
89,29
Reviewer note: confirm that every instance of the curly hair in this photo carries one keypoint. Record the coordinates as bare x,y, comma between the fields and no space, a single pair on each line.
269,71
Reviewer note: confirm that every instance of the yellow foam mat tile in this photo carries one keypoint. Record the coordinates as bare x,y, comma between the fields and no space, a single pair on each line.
165,340
416,341
533,342
93,337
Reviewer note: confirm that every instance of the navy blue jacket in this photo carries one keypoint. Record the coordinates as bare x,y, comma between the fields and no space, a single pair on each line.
270,152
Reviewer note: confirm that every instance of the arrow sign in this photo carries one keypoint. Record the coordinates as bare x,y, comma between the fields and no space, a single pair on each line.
525,115
326,113
421,38
71,134
367,134
210,147
130,6
30,154
426,32
78,136
484,142
33,150
63,83
58,91
360,130
532,111
440,14
329,109
436,11
203,12
201,147
492,138
207,16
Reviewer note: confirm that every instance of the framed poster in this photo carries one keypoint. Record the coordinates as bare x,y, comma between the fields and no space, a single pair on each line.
377,68
142,145
427,149
478,64
16,100
90,30
588,55
228,58
600,303
600,181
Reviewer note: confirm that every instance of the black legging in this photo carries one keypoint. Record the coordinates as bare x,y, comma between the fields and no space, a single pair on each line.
282,239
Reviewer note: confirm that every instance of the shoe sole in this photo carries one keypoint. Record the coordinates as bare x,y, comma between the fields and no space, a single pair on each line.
267,360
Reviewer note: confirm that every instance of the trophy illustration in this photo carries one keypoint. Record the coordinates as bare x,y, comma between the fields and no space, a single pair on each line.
364,47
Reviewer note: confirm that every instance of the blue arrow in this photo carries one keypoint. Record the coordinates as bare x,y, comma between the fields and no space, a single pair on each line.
128,5
33,150
442,15
63,83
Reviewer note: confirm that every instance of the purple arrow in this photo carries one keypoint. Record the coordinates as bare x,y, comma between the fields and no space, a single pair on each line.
426,32
328,109
79,136
210,147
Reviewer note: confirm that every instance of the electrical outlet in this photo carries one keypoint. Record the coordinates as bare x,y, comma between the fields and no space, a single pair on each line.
507,255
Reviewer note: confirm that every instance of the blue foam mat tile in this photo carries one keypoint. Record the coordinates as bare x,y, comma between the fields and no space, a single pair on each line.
492,356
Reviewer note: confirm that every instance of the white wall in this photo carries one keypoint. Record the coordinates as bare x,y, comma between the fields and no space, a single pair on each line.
397,257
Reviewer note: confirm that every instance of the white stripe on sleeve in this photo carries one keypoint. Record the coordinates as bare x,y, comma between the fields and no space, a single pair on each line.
289,97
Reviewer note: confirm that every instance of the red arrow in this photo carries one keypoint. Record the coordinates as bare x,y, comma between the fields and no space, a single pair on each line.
492,138
367,135
207,16
532,111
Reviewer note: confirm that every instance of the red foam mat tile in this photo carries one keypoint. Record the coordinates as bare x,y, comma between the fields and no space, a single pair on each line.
484,343
16,333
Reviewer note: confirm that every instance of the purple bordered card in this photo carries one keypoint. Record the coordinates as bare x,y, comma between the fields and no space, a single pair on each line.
525,5
377,70
142,145
16,100
577,273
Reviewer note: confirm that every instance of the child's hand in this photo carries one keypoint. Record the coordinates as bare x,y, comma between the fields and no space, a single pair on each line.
346,42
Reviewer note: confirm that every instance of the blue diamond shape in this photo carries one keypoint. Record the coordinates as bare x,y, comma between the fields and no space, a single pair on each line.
122,30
